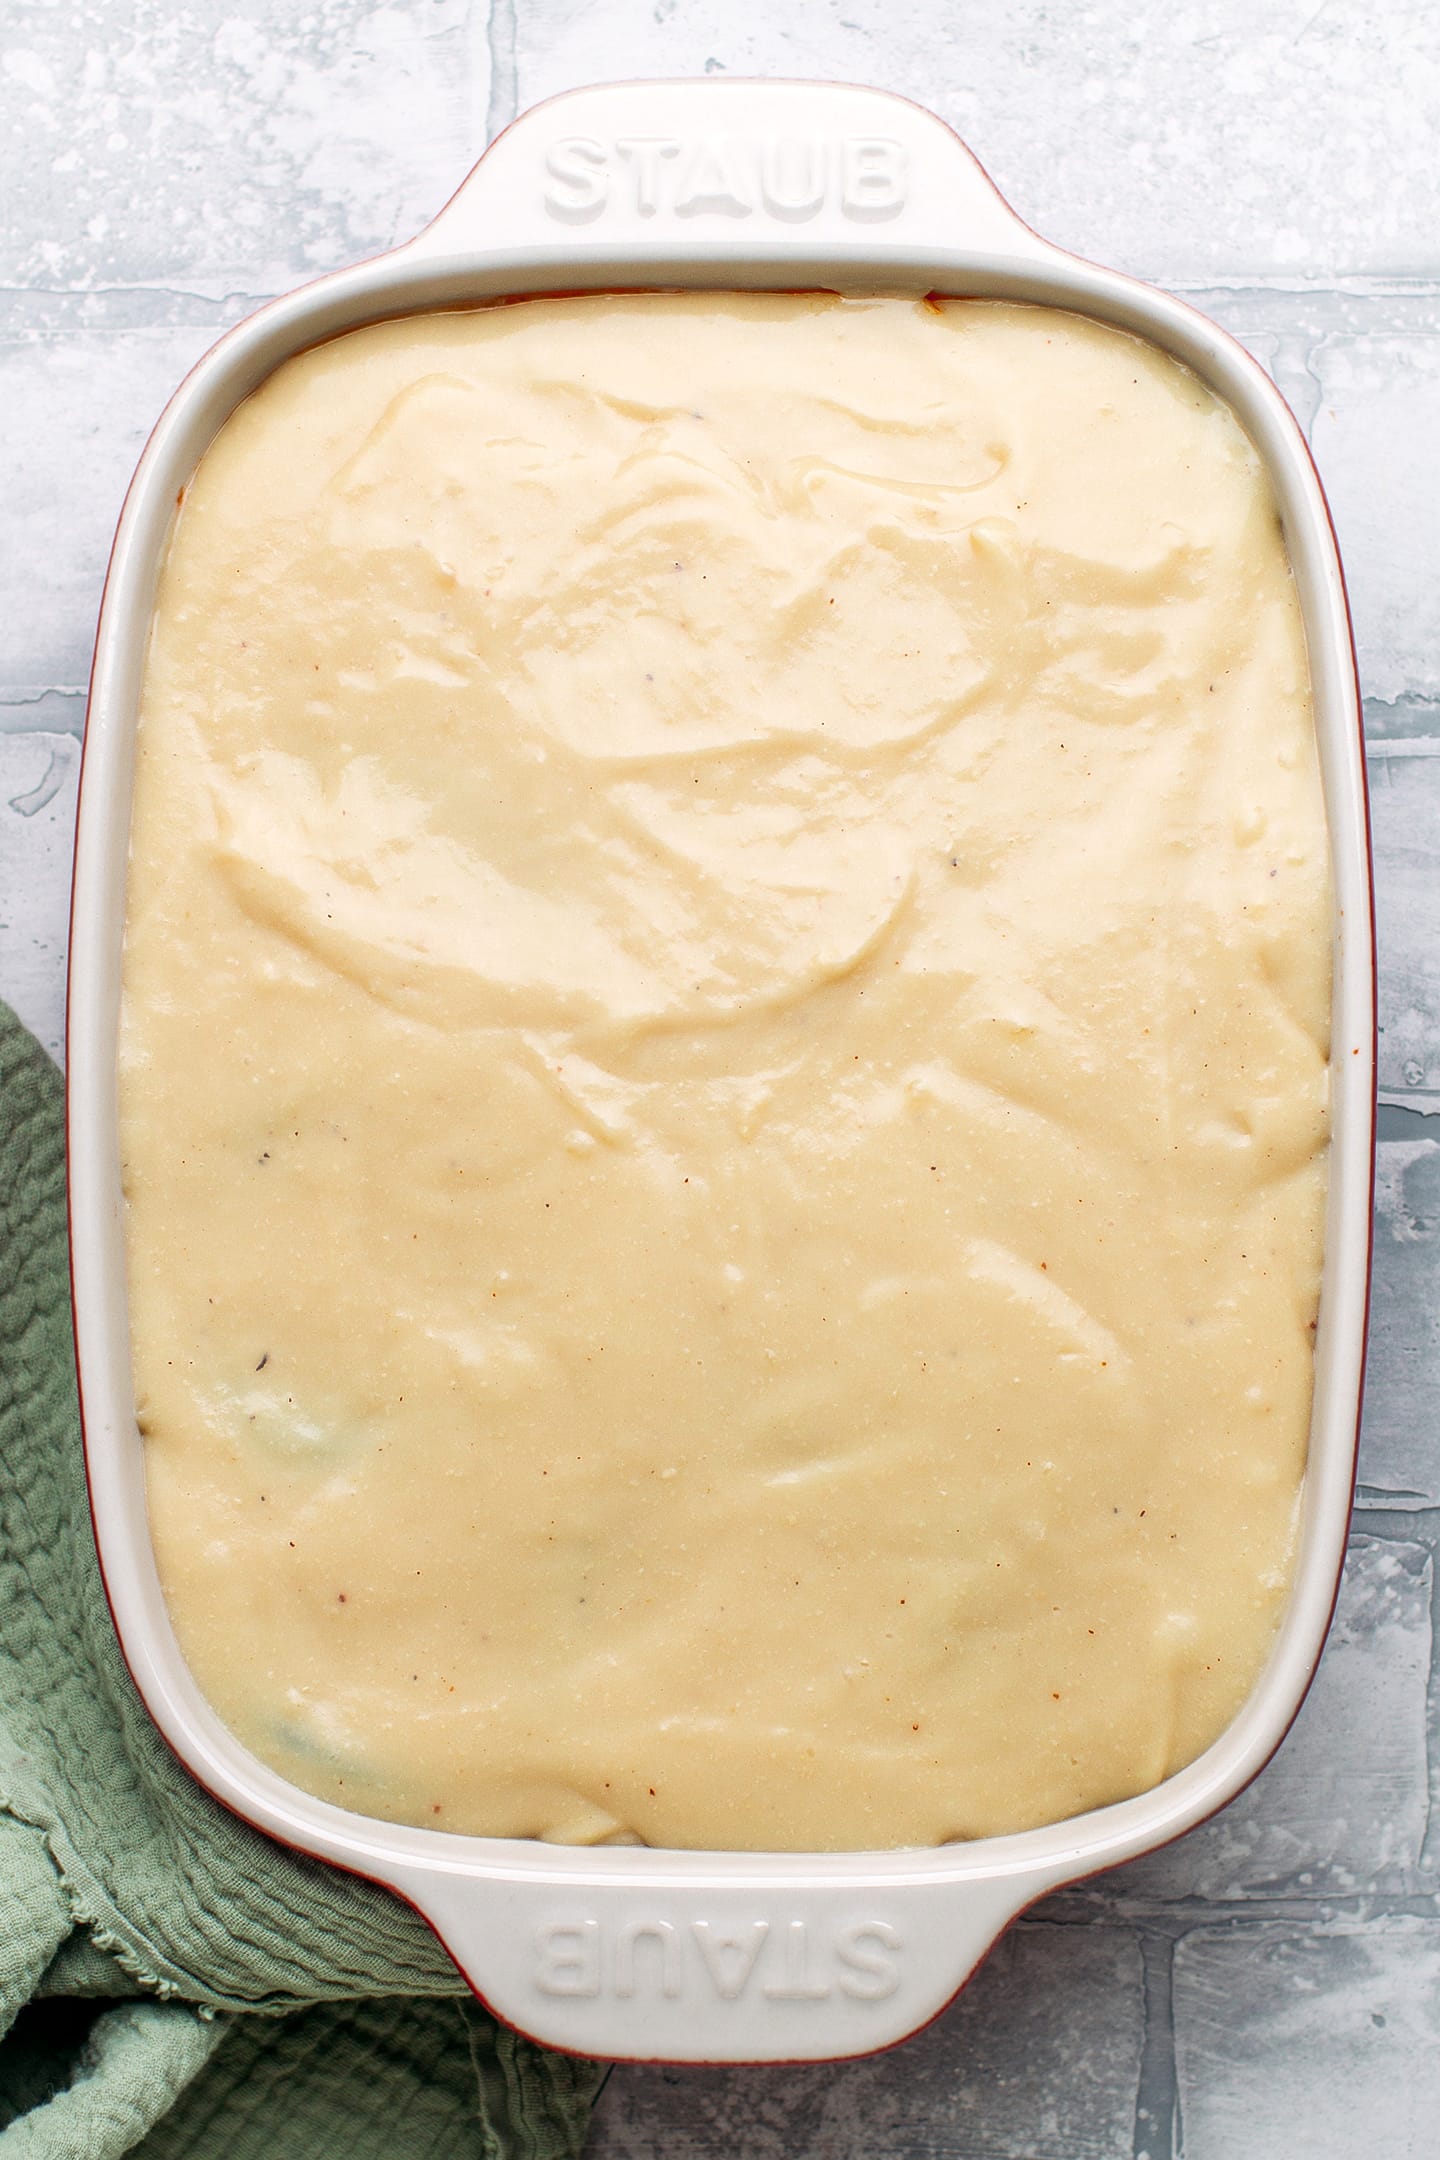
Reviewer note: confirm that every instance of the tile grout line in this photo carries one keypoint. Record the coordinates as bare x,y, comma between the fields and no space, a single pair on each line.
1157,2089
1404,1526
500,38
1184,1914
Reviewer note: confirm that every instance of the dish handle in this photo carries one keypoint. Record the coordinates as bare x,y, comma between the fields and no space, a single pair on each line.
716,1968
727,169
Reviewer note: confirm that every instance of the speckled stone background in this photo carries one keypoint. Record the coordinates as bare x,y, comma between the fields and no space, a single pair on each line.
1271,1986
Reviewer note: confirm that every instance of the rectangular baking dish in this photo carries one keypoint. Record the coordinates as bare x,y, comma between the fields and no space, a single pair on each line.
692,1956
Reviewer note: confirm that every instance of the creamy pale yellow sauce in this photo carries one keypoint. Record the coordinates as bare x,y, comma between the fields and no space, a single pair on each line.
724,1069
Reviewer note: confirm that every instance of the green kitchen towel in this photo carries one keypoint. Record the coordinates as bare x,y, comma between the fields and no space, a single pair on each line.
173,1984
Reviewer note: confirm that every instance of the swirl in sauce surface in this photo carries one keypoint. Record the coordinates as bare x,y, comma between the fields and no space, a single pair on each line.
724,1069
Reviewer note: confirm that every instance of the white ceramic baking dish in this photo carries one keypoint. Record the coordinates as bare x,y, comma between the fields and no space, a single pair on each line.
686,1955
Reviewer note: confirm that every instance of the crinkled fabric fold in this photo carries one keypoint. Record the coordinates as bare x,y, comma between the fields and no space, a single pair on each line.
171,1982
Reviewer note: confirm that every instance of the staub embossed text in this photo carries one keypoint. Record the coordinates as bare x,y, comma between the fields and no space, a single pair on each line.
789,177
793,1961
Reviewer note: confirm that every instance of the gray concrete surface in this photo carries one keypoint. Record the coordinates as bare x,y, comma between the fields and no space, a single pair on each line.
1271,1986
